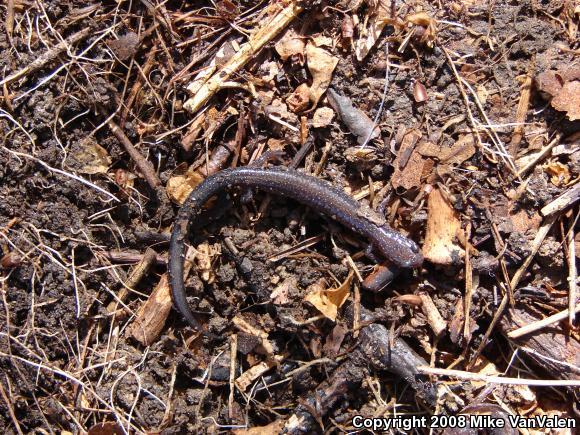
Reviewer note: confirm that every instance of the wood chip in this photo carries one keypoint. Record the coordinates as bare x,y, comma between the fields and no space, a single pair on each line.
443,224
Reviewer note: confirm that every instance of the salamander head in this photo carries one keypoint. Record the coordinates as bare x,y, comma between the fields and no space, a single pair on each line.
397,248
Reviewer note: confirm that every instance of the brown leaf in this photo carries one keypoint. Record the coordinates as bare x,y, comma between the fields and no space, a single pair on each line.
568,100
459,152
106,428
299,100
409,163
560,175
322,117
443,224
125,46
291,44
321,65
334,341
93,158
328,301
180,186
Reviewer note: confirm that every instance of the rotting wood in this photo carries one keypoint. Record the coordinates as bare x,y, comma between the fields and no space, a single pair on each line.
152,314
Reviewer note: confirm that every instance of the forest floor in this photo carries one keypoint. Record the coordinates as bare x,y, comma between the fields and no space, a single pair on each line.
458,120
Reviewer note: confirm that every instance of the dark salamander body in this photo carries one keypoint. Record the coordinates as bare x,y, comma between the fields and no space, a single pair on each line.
317,194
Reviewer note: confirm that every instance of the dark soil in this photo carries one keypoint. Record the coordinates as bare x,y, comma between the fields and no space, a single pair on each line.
67,363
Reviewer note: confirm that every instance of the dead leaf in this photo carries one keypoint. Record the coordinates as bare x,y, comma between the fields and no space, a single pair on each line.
125,46
484,367
291,44
443,224
364,44
568,100
522,222
328,301
322,41
268,71
460,151
203,260
379,13
180,186
559,173
299,100
321,65
93,158
322,117
334,341
227,9
106,428
409,163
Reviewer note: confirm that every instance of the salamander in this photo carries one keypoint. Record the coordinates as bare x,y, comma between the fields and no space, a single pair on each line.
314,192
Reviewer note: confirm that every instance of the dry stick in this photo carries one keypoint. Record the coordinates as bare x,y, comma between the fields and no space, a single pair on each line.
535,326
233,353
137,87
138,272
129,257
573,273
468,376
521,113
564,201
49,56
434,318
498,313
540,235
264,35
468,286
143,164
545,151
461,83
9,29
10,410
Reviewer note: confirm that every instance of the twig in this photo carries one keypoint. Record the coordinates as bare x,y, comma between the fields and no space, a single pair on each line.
468,376
233,353
540,235
521,113
10,410
572,273
535,326
129,257
468,287
61,172
143,164
564,201
9,29
49,56
545,151
138,272
137,87
262,36
434,318
497,316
